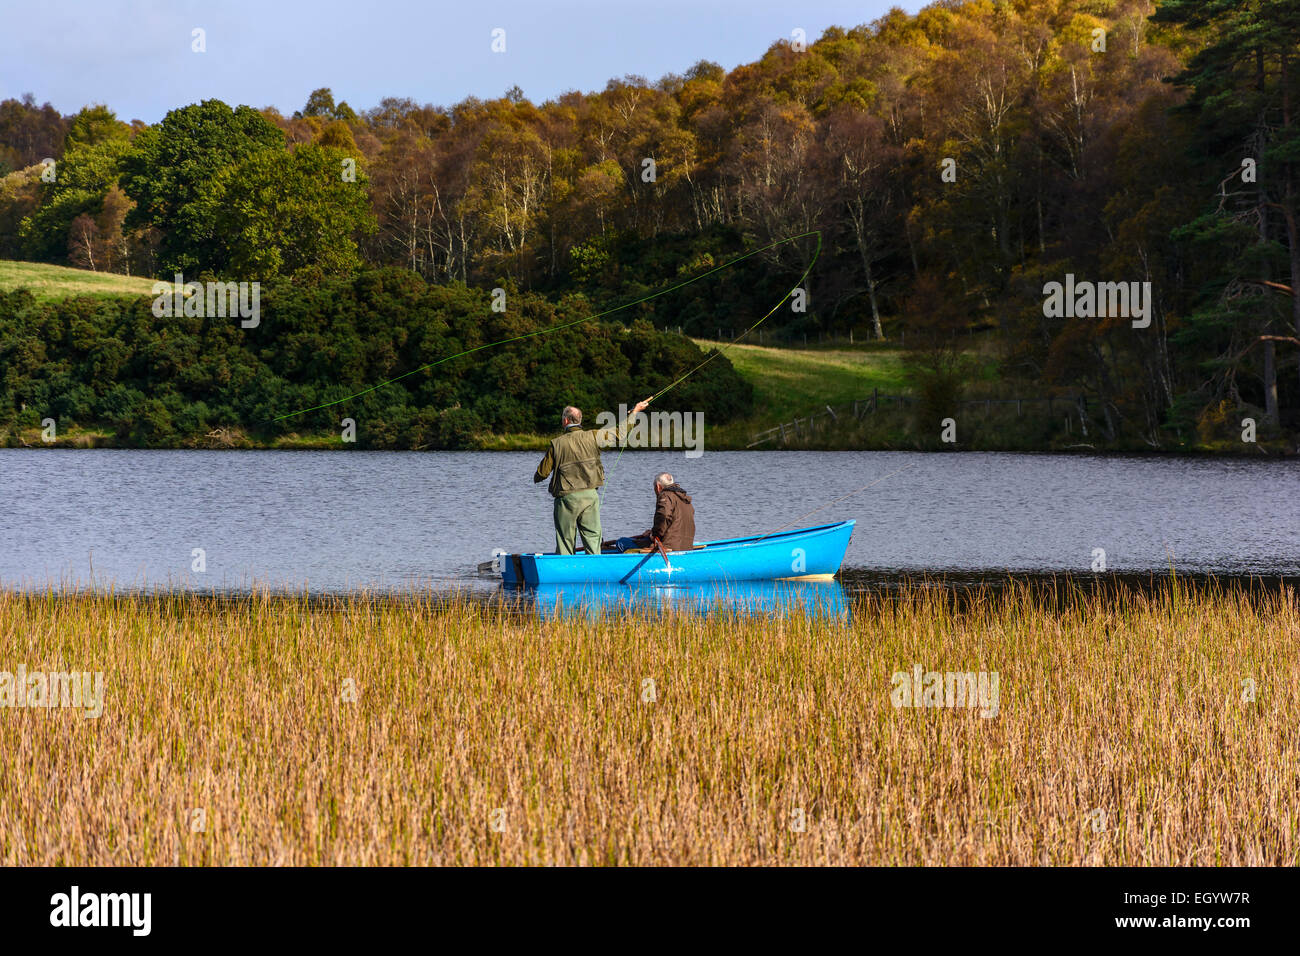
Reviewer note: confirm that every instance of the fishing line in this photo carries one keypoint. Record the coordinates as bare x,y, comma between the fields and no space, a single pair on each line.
716,352
837,501
567,325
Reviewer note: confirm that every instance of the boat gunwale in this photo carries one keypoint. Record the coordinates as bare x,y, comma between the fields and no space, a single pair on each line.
719,544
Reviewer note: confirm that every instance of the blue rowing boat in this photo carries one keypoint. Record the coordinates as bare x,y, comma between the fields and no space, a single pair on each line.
805,554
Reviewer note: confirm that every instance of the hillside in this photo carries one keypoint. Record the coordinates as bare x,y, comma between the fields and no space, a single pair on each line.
790,383
50,282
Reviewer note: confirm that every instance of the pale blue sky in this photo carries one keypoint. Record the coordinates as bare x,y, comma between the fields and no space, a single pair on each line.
135,56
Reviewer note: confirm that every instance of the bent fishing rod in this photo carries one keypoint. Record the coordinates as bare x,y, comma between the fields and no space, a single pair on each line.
723,348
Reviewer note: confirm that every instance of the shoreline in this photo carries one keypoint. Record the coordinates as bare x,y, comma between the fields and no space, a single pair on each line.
237,440
859,584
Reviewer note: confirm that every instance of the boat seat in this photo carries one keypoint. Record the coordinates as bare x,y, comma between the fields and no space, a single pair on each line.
646,550
696,547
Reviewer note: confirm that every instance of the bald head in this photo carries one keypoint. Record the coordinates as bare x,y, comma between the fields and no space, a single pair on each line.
571,416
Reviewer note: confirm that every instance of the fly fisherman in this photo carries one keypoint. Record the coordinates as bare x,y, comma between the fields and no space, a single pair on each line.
674,524
573,463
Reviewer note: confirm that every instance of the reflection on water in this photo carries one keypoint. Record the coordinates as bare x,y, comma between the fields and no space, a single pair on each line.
835,599
823,599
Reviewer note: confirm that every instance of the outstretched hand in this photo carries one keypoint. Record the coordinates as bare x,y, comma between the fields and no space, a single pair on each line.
641,407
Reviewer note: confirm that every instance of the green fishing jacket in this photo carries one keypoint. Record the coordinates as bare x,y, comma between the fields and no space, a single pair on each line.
573,461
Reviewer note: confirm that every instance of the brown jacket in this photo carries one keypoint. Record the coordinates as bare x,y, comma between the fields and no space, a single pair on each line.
674,519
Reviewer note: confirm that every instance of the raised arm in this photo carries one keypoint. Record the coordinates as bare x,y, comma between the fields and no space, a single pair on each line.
609,436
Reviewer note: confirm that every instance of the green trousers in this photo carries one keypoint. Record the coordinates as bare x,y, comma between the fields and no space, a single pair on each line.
580,511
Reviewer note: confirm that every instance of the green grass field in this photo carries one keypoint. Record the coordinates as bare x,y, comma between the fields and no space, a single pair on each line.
48,282
791,383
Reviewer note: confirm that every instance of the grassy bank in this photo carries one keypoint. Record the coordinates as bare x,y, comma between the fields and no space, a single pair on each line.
794,381
238,438
476,737
789,383
48,282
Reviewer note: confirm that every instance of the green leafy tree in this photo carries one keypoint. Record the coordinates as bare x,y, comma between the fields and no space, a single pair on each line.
83,177
94,125
276,212
170,165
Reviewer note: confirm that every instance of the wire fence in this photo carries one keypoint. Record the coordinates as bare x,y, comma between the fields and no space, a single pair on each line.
786,338
1074,406
782,337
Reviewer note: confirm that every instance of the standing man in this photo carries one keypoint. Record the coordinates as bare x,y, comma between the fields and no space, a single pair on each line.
573,463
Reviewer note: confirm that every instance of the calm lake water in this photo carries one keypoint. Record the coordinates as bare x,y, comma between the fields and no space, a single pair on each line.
330,521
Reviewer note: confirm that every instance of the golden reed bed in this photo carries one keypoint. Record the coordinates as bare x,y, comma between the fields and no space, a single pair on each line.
1125,734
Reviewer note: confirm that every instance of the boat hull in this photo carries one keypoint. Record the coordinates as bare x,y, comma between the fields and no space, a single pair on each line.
803,554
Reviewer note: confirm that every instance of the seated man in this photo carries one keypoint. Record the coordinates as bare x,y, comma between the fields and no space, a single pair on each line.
674,524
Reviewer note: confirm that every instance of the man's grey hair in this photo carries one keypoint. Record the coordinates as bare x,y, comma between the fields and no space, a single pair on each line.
571,414
663,479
